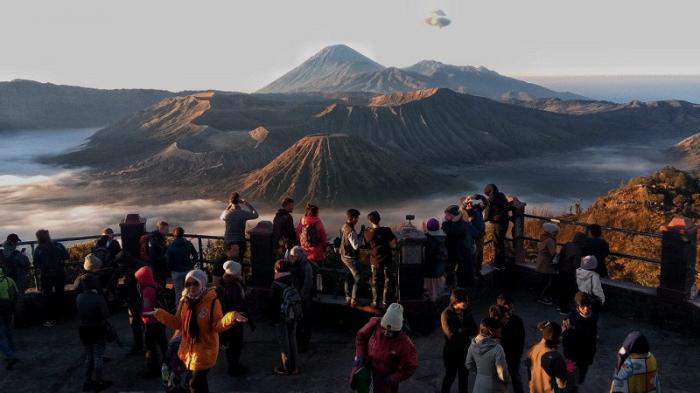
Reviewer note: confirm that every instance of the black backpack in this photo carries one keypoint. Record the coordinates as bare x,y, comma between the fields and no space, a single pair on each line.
9,265
165,298
310,235
290,308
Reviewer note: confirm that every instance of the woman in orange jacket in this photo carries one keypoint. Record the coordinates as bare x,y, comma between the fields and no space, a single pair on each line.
200,319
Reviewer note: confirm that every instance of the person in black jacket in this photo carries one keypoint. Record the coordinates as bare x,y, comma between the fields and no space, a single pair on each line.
458,326
460,248
512,339
93,312
287,330
497,213
181,257
284,235
381,240
157,246
579,338
598,247
125,286
50,258
233,298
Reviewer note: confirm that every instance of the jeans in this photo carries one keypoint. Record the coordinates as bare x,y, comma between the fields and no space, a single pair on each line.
178,284
499,231
383,281
287,335
514,371
198,381
233,339
7,337
352,276
52,287
93,360
156,346
454,360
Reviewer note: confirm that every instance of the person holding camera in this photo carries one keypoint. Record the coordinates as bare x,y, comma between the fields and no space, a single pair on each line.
350,242
235,218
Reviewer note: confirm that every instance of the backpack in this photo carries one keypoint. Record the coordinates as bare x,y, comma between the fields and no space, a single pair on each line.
145,247
8,295
174,374
309,236
165,298
9,265
290,308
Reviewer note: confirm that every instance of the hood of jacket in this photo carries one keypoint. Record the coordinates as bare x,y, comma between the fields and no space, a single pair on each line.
484,344
179,242
490,190
8,248
145,277
583,274
309,220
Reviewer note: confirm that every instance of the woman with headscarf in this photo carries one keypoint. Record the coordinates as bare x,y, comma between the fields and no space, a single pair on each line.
200,320
636,371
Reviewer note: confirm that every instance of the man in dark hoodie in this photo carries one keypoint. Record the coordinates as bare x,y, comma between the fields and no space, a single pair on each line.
50,258
284,235
459,327
496,213
157,246
580,338
181,257
460,248
127,290
16,262
512,339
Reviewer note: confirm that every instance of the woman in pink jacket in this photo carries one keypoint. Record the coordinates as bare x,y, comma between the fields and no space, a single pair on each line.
386,350
312,235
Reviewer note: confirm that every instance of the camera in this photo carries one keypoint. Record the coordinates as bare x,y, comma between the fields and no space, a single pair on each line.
410,217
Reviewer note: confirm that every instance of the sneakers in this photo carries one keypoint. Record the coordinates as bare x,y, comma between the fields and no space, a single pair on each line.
9,363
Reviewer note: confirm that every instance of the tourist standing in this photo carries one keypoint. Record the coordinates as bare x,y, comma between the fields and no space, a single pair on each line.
588,281
598,247
231,253
487,359
497,213
200,320
460,245
350,255
569,260
312,235
382,346
435,260
546,365
284,235
235,218
49,259
92,266
459,327
128,291
381,240
153,252
545,266
304,282
233,298
285,313
636,370
579,340
9,295
110,243
93,312
16,263
474,209
156,339
512,339
181,257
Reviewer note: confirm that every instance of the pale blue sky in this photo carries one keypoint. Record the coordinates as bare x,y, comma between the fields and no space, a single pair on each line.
242,45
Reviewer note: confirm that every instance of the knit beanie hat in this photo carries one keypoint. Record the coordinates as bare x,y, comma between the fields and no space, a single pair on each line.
393,318
433,225
201,278
92,263
589,262
550,228
233,268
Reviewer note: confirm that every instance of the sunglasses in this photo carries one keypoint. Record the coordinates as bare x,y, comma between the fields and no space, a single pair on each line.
191,284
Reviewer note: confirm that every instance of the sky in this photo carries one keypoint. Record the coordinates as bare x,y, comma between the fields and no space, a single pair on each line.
242,45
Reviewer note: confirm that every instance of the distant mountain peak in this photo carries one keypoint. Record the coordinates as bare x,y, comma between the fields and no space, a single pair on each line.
400,98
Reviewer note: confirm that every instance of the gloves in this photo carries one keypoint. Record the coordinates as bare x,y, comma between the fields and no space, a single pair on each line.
359,361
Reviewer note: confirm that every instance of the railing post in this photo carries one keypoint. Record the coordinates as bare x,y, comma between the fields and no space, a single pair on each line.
678,252
201,253
518,229
261,255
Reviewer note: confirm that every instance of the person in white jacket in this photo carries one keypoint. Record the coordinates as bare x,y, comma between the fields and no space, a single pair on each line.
588,279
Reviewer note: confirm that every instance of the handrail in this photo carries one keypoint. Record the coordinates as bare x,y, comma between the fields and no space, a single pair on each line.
583,224
612,253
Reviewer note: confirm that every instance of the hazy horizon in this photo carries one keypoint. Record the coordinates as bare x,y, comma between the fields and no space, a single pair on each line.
236,46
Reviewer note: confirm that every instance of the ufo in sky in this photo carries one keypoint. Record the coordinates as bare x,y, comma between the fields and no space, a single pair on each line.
438,18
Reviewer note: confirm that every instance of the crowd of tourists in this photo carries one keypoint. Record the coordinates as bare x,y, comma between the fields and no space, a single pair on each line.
206,311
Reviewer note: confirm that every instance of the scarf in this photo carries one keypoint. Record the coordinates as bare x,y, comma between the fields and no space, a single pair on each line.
190,328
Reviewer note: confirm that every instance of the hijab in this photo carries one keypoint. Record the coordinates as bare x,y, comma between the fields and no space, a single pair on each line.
190,328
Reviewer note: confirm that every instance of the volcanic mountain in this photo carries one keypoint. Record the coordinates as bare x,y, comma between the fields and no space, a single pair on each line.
337,170
689,151
339,68
27,104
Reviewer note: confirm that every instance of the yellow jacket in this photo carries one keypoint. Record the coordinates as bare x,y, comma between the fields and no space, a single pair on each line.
201,354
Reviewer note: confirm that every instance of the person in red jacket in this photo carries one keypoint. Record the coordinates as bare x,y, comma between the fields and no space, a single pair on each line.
389,352
313,241
156,340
